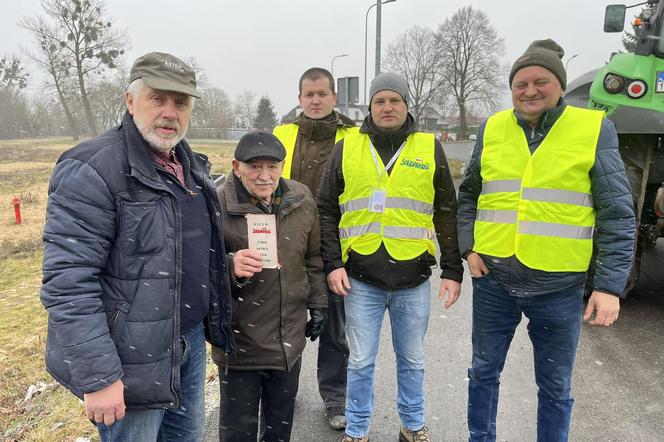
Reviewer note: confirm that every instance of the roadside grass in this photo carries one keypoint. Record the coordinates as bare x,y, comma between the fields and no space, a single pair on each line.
55,414
455,167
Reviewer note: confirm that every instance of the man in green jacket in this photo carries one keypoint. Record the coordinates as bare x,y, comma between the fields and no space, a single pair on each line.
309,141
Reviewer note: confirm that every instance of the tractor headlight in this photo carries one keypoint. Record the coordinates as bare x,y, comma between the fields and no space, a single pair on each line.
614,83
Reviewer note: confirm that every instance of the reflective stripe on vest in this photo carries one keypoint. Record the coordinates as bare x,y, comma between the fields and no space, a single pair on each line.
405,226
539,207
390,203
287,134
390,232
534,194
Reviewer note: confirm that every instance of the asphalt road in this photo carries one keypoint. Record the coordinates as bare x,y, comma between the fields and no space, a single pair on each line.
460,151
618,380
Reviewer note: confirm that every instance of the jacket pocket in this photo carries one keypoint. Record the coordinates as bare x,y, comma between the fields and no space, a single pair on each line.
141,228
116,321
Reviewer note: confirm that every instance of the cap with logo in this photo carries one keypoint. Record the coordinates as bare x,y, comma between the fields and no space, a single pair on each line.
165,72
259,145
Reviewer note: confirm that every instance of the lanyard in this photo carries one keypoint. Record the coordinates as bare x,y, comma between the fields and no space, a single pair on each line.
392,161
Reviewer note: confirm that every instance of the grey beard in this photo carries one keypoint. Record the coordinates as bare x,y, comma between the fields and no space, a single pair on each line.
156,142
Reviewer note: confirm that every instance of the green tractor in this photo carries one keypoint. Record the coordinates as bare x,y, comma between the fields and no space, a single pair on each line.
630,89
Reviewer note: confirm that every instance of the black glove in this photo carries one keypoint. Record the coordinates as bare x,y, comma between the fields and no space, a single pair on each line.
316,324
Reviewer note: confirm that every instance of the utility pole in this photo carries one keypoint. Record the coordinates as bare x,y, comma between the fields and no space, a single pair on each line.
378,20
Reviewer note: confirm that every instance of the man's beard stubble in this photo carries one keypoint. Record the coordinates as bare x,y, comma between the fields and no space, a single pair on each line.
157,142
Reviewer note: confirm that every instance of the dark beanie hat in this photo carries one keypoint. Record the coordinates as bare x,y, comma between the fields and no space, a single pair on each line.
391,82
545,53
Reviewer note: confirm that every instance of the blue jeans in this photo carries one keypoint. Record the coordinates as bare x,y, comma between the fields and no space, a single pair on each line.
553,327
409,316
183,424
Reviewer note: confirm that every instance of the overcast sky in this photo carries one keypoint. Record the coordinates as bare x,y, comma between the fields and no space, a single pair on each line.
264,46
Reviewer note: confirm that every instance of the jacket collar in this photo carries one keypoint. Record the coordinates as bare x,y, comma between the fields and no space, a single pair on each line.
546,121
322,128
238,201
387,140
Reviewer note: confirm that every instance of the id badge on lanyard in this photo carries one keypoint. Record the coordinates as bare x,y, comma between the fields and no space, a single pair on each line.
378,197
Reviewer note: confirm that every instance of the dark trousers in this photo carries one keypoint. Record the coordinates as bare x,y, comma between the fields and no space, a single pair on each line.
333,355
244,391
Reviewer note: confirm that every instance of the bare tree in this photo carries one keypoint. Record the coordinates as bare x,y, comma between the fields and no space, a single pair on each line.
415,55
245,109
52,58
469,52
107,95
84,33
12,73
202,80
213,110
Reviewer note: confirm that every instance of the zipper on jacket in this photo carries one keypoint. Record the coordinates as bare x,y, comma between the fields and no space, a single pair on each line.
224,307
176,300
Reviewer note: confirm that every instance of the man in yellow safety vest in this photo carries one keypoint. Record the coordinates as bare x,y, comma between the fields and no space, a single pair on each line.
545,184
386,199
309,141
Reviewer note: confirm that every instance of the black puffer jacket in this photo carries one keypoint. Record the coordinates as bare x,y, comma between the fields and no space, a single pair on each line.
112,270
614,221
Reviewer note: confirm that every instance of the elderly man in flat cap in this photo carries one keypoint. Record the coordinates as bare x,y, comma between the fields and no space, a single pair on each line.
134,271
545,184
273,245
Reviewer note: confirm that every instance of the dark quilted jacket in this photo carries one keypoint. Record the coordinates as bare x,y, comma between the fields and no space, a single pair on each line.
111,282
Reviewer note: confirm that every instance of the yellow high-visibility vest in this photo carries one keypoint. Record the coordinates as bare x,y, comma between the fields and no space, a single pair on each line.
287,134
539,207
405,224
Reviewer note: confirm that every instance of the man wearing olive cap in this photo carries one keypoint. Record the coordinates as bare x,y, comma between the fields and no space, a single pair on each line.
134,275
544,185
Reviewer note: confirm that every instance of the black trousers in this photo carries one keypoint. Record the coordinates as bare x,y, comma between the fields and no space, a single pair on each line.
333,354
244,391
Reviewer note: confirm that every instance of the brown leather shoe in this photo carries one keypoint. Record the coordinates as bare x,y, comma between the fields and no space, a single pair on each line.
421,435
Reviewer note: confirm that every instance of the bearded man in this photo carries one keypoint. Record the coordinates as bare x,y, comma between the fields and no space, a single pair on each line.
134,274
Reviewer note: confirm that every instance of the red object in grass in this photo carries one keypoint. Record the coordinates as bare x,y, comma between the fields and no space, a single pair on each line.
17,209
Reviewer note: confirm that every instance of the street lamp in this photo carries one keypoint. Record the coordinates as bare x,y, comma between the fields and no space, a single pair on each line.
366,21
570,59
334,58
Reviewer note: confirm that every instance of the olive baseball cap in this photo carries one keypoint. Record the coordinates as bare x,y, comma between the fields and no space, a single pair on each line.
165,72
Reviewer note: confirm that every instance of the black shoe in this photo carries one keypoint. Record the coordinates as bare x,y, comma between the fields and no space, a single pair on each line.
336,417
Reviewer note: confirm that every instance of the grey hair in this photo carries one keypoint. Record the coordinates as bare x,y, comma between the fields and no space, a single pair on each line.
136,86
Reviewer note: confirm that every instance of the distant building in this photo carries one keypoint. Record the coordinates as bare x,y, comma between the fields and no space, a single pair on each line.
431,120
355,112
